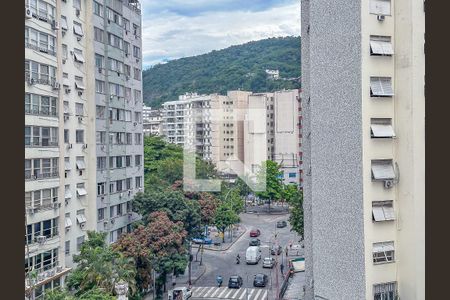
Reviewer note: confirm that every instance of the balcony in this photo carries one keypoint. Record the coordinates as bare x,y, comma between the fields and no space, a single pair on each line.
40,49
39,176
40,111
45,274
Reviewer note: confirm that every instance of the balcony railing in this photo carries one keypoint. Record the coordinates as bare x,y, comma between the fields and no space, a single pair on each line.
40,49
40,111
51,270
37,176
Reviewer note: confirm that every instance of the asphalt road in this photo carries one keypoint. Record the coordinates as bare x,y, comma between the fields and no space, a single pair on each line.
224,263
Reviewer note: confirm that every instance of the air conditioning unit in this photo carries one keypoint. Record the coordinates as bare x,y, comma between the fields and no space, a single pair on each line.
66,201
68,91
59,269
77,12
56,85
127,77
126,54
99,70
80,93
31,81
82,225
113,221
135,123
78,38
84,146
69,146
51,273
41,276
55,25
28,14
118,74
30,210
137,60
129,192
388,184
41,239
380,18
102,198
80,119
56,205
102,147
120,195
64,60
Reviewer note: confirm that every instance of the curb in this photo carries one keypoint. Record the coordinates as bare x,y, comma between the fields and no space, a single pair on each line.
193,281
229,246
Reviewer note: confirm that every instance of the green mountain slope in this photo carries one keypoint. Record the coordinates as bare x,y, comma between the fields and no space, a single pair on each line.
236,67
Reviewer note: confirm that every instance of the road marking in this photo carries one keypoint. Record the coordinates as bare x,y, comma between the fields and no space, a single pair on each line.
198,290
264,296
251,293
209,292
257,294
223,292
215,292
226,296
241,292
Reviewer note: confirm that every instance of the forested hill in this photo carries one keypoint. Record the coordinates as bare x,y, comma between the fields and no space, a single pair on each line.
236,67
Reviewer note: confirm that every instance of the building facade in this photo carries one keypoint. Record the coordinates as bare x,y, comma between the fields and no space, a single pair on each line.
83,129
152,121
363,112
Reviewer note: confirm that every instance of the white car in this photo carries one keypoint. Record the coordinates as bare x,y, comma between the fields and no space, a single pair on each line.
268,262
180,293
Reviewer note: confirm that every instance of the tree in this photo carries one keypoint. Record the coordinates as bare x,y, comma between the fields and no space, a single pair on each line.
271,174
208,206
174,203
158,245
98,265
93,294
295,200
225,217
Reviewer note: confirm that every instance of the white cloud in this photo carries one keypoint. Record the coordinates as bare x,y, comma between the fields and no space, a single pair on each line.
169,35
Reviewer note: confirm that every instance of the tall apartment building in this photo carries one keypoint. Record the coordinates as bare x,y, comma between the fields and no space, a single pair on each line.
83,129
275,135
152,121
363,105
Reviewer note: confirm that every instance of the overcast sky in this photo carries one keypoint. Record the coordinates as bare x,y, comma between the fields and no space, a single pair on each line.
180,28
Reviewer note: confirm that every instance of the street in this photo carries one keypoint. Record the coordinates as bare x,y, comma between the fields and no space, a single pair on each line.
224,262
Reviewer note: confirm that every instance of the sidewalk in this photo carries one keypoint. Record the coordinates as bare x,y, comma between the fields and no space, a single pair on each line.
275,209
237,233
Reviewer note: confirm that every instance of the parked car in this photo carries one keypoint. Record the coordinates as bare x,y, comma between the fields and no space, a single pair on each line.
254,242
182,293
260,280
235,282
268,262
255,233
281,224
206,241
276,250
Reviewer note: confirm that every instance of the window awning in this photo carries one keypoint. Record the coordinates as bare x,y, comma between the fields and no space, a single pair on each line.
81,165
382,130
66,82
77,29
378,213
383,211
68,222
67,165
79,85
68,194
381,87
81,219
389,213
78,57
388,246
381,47
383,170
377,248
81,191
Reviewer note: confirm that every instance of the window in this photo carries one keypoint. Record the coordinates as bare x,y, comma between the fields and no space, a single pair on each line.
40,41
101,162
115,41
79,109
67,247
99,86
66,107
128,161
99,61
66,136
136,30
126,48
98,35
41,199
67,192
137,117
128,184
136,52
381,128
127,71
138,139
67,166
64,25
78,55
138,160
77,4
380,7
383,252
81,165
383,169
385,291
138,181
101,214
137,96
79,136
98,9
381,45
111,211
119,209
119,186
81,190
128,116
119,161
137,74
292,175
100,111
381,87
129,138
79,83
41,73
36,136
126,24
80,241
101,137
101,188
77,29
383,211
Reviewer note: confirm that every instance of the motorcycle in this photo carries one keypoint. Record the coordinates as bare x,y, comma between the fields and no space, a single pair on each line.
219,280
238,261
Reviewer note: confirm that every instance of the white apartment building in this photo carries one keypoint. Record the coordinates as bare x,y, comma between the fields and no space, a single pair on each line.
83,129
364,147
152,121
275,135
